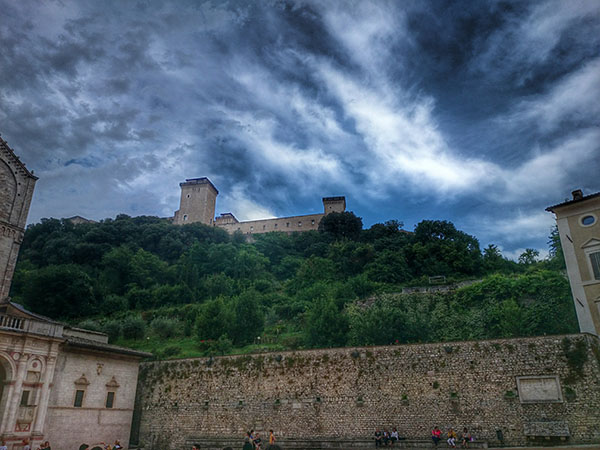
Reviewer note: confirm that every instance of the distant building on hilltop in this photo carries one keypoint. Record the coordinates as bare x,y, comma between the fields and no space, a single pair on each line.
578,223
78,220
199,197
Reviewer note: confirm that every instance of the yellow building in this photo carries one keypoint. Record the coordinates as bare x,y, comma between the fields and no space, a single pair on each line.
578,223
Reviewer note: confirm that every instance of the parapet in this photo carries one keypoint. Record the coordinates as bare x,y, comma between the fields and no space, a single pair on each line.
197,181
334,204
226,218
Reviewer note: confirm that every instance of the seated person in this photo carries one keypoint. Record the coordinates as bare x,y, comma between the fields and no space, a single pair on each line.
452,438
378,437
436,435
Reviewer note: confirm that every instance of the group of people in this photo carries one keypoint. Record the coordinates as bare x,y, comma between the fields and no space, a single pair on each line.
452,438
116,446
253,441
385,437
27,445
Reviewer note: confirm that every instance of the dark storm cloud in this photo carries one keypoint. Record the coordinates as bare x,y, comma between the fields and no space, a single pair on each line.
478,112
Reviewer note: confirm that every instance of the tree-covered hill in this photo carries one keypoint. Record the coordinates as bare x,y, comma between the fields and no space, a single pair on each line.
194,289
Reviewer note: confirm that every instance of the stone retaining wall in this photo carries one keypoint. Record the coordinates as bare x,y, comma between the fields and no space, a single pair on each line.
512,385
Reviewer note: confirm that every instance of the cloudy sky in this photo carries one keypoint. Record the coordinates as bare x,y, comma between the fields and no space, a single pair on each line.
482,113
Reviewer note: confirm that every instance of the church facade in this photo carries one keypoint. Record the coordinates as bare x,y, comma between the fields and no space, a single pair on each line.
57,383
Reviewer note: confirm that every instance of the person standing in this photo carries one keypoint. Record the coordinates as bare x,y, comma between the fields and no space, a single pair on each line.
247,444
257,441
3,445
271,438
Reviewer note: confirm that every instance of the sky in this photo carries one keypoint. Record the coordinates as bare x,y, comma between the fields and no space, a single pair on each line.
481,113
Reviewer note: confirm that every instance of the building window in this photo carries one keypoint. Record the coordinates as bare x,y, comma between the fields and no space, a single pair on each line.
185,217
264,227
312,222
24,398
110,399
595,261
251,228
78,398
287,224
188,196
275,226
299,223
588,220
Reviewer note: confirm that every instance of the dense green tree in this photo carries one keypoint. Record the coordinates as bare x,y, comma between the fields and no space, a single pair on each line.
556,257
440,249
529,256
350,257
341,225
248,319
312,270
389,266
213,319
133,327
63,291
325,324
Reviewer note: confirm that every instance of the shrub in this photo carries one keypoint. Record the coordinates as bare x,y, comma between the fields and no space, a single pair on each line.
210,347
134,328
114,303
90,324
113,329
165,328
170,351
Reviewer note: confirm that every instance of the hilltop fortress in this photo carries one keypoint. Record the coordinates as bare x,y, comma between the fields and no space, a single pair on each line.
197,204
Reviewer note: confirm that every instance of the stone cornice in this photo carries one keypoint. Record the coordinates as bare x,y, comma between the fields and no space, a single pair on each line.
11,156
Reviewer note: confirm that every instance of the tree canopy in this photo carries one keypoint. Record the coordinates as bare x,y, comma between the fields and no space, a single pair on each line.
194,289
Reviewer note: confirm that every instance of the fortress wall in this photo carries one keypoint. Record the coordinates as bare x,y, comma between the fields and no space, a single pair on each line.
346,393
283,224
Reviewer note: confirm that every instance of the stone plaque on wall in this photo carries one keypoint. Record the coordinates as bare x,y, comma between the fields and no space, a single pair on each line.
539,389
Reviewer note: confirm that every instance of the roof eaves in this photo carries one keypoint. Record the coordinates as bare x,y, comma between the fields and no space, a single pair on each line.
571,202
85,343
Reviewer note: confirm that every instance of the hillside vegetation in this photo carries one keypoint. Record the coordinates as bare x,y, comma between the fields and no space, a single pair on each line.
195,290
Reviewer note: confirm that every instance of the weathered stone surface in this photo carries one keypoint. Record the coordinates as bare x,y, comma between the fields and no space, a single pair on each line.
347,393
16,190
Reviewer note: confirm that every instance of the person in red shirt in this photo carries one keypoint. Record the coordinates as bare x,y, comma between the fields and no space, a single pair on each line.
436,435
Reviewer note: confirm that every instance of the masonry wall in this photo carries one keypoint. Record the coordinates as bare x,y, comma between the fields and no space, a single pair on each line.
16,191
346,393
68,426
285,224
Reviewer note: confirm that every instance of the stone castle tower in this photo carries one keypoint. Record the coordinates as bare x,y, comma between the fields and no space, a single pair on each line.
198,200
199,197
16,190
